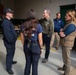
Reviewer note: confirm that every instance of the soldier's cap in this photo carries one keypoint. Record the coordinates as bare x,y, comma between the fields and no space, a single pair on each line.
7,10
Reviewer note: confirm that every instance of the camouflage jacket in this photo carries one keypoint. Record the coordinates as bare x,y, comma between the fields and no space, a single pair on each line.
48,27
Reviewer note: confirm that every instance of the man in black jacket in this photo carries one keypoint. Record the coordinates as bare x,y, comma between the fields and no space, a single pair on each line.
9,38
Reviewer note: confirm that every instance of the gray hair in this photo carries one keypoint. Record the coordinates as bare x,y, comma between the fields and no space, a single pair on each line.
48,11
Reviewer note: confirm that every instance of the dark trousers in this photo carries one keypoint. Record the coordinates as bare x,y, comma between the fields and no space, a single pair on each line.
31,59
46,42
10,49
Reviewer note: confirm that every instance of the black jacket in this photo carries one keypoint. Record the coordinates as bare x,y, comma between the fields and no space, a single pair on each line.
8,31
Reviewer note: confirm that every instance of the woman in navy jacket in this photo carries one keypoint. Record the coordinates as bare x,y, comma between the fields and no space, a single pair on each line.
32,33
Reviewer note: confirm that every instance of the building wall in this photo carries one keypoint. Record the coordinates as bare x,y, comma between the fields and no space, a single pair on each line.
8,3
22,6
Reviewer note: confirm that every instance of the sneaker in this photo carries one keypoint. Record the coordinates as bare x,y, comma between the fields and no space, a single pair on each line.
14,62
10,71
44,60
56,48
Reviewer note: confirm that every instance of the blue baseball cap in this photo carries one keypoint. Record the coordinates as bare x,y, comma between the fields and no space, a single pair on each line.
8,10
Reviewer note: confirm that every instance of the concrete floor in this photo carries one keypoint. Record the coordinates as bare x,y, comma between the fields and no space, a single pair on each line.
49,68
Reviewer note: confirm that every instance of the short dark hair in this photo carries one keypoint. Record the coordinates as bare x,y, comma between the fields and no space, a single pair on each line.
58,13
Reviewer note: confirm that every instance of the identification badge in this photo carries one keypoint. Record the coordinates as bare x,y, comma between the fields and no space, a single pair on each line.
33,34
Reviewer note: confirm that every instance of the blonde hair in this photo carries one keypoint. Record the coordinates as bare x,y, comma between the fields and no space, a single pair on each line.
72,13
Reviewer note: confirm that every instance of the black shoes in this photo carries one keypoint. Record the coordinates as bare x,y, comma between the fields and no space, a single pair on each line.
10,71
44,60
14,62
61,68
56,48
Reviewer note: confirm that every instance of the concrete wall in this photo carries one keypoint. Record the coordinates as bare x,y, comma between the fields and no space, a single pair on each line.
22,6
8,3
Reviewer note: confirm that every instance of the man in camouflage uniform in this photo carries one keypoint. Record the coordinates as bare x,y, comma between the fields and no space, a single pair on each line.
48,29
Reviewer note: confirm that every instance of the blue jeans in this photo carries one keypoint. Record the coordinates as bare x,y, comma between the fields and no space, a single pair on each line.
31,59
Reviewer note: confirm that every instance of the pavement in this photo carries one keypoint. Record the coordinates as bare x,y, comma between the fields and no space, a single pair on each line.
49,68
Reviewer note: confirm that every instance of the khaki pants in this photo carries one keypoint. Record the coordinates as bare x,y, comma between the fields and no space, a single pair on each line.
56,36
66,59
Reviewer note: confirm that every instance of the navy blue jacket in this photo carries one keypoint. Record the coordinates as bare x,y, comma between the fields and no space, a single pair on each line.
69,29
8,31
58,24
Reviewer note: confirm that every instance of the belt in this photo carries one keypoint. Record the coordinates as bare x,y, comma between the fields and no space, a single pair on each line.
33,40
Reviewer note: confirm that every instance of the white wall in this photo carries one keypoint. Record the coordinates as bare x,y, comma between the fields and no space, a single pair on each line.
55,5
22,6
